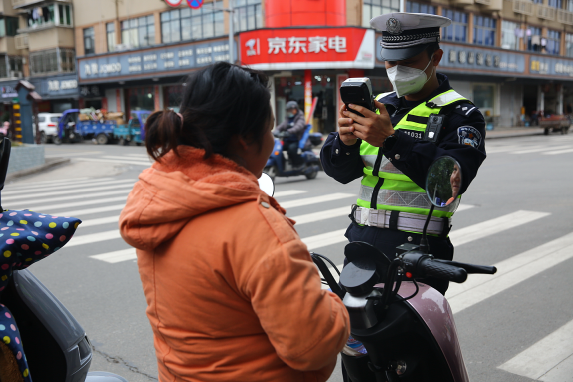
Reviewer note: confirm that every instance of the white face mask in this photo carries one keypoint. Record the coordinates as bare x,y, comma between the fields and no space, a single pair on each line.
408,80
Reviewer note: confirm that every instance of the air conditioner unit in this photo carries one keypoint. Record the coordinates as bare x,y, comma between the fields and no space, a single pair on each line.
122,47
15,74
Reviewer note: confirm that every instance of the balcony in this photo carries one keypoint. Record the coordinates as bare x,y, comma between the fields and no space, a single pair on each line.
546,13
491,5
28,3
524,7
565,17
22,41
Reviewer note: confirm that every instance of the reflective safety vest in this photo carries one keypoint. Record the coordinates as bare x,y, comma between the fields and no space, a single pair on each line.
384,187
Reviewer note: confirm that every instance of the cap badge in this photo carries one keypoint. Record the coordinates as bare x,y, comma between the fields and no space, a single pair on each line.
393,26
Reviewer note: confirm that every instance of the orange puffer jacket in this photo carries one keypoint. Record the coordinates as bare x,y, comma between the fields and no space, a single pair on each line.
231,290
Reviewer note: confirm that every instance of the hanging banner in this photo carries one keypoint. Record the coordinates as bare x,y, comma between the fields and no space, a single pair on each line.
307,94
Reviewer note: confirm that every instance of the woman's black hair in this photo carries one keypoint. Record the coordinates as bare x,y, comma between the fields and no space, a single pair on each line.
220,102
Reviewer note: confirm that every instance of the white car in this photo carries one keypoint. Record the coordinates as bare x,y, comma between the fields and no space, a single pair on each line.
48,126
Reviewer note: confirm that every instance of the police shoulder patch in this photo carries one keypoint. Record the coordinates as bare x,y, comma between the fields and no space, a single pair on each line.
465,109
469,136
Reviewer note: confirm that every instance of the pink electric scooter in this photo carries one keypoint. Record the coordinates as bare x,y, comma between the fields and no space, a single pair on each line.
402,330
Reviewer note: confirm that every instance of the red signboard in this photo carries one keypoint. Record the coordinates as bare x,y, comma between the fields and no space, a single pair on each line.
312,48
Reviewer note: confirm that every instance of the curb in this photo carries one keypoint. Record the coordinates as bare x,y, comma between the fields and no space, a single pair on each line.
50,162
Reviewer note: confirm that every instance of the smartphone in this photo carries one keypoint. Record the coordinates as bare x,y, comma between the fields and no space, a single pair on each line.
357,91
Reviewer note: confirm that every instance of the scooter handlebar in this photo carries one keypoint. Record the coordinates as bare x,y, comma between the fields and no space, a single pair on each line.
429,267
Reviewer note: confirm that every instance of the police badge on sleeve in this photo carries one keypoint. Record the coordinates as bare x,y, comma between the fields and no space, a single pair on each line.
470,136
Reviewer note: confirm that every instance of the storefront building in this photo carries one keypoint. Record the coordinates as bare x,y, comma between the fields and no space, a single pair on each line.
58,93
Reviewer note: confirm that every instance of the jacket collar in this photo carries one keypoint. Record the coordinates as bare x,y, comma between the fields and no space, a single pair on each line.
444,85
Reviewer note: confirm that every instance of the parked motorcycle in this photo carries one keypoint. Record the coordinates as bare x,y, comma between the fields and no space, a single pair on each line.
279,165
402,329
55,346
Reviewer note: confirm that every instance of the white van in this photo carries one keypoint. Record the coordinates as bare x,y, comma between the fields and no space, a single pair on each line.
48,126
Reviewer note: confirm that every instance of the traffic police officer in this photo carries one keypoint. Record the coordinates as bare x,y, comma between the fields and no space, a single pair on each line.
390,149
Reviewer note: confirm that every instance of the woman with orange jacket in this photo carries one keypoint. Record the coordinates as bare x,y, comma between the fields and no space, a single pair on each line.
231,290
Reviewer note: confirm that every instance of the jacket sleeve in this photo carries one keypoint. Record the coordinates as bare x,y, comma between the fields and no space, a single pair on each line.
341,162
282,126
414,157
308,326
299,125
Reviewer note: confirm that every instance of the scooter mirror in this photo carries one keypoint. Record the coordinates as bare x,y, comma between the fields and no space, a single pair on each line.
266,184
444,181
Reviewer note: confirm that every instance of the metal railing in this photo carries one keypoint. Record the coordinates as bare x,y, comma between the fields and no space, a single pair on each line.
21,41
565,17
524,7
545,12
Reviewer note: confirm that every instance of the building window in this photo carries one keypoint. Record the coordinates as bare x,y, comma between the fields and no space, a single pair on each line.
569,5
8,26
89,40
569,44
484,31
11,66
555,4
458,30
49,15
553,42
52,61
510,33
413,7
139,32
248,15
110,29
533,35
373,8
192,24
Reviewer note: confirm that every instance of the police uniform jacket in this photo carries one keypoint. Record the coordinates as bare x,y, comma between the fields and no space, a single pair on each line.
410,154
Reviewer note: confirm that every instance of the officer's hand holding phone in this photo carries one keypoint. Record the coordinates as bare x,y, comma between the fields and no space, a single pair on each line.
358,118
372,128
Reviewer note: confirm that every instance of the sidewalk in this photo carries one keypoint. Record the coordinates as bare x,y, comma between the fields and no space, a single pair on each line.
510,132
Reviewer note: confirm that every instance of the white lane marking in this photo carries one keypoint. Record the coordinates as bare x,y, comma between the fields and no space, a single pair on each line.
278,194
148,160
80,213
117,256
324,239
558,152
48,207
544,359
48,182
315,199
502,149
539,149
510,272
321,215
85,183
69,155
125,191
36,195
93,238
100,221
490,227
122,161
138,155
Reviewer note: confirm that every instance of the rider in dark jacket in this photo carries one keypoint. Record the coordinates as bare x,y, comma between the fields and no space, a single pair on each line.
294,125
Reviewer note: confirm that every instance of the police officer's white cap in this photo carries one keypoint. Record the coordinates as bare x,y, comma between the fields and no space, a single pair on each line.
406,35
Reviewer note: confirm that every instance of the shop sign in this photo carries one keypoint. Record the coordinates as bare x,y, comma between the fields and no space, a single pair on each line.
482,59
91,91
63,86
8,92
159,60
551,66
309,48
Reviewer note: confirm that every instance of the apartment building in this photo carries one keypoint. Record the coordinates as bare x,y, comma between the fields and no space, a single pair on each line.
511,57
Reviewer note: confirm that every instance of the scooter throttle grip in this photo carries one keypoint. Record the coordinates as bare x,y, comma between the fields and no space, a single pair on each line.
443,271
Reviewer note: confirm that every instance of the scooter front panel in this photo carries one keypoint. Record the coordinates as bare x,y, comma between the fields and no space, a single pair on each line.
435,311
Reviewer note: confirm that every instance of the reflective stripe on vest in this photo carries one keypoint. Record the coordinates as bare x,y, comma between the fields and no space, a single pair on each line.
397,191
